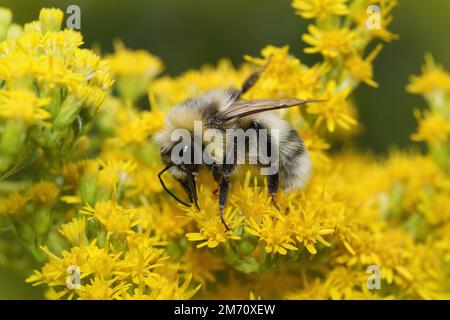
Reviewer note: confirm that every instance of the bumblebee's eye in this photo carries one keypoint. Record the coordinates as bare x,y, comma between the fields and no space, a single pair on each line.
185,153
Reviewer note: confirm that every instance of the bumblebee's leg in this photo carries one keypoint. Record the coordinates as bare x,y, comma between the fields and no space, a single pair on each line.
223,193
273,182
217,176
253,78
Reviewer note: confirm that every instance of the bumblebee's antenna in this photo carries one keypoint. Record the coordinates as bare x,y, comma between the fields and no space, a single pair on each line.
244,108
167,190
254,77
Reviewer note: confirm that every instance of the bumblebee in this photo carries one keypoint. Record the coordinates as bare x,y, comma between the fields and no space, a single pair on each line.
223,111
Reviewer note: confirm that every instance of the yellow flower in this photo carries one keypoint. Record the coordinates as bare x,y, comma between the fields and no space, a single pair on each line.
94,70
74,231
428,279
52,71
253,297
15,65
234,288
363,16
443,242
114,173
306,227
168,288
32,26
434,79
339,283
316,147
311,79
145,183
54,271
101,262
334,111
251,198
168,223
320,9
23,105
433,128
49,82
330,43
102,289
211,230
272,230
14,204
435,207
113,217
43,193
134,71
361,69
126,62
282,76
134,127
412,174
166,92
140,259
91,96
202,265
89,261
62,43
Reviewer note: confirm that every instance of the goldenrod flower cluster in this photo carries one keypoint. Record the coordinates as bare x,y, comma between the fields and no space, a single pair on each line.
50,88
88,210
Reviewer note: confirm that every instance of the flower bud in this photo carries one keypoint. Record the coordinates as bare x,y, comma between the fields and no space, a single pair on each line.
14,31
13,137
88,183
5,21
68,112
51,19
42,222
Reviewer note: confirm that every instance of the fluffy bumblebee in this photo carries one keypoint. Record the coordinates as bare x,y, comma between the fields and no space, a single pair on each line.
222,110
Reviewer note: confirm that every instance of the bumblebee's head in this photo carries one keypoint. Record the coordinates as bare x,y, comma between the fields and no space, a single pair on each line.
181,160
181,150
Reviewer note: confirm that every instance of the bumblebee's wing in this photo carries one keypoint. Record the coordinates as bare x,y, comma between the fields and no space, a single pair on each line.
244,108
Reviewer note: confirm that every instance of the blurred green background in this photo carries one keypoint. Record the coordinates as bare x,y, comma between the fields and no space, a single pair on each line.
187,34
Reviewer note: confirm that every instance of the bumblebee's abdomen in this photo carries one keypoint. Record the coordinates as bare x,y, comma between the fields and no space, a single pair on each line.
295,164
